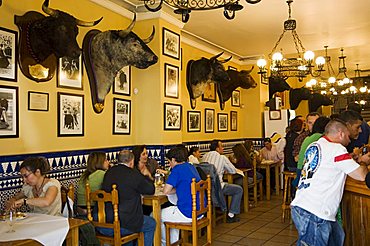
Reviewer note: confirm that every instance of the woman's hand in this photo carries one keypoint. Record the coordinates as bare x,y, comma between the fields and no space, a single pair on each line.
162,171
144,171
13,204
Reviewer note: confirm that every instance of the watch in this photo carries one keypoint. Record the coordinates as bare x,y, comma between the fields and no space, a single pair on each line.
25,201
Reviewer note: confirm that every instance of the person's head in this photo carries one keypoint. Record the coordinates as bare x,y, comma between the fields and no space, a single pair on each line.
141,155
240,152
248,145
300,117
334,116
267,143
353,121
95,161
216,145
195,152
177,155
354,106
337,131
33,169
296,125
310,120
126,157
320,124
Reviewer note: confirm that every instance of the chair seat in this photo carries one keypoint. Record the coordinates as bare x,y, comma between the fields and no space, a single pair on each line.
183,226
124,239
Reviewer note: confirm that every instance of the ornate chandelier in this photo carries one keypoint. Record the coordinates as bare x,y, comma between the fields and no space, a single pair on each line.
184,7
297,66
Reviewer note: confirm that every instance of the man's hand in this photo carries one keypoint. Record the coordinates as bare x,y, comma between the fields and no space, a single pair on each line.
364,159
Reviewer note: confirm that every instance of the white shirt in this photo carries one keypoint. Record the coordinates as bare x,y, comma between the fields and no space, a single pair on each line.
193,159
221,162
272,154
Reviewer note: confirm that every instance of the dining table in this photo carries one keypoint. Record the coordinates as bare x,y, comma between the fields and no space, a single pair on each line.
267,165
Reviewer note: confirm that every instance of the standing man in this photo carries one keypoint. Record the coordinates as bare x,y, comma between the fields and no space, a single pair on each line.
321,186
222,164
353,121
363,137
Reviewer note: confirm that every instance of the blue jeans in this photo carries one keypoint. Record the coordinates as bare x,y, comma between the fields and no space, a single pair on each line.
148,229
236,193
313,230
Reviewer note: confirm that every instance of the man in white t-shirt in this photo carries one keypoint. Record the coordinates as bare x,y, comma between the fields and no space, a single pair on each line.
270,151
321,185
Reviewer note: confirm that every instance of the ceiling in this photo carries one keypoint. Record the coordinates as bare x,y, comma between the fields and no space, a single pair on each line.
256,28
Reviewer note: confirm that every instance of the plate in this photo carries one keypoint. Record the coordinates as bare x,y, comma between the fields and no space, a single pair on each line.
18,216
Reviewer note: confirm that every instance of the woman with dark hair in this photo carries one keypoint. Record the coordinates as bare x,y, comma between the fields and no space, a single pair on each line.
40,193
142,163
296,127
244,160
194,155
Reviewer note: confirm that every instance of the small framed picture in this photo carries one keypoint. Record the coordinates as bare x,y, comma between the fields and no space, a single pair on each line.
233,120
275,115
38,101
232,68
70,72
171,81
222,122
264,79
171,44
122,82
235,98
8,54
172,116
9,112
209,119
209,94
193,121
122,116
70,115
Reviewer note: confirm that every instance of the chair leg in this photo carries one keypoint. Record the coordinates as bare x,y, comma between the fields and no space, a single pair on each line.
140,240
195,237
185,236
261,191
255,194
168,236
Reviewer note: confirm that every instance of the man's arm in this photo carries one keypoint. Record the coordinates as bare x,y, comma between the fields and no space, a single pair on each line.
168,189
359,173
229,167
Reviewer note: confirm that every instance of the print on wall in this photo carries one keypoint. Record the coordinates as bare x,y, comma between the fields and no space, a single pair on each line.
209,119
235,98
209,94
171,78
222,122
193,121
70,72
172,116
70,114
38,101
233,121
122,82
8,112
171,44
8,54
122,116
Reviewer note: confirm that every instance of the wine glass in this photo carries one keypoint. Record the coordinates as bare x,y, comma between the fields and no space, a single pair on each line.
158,180
10,221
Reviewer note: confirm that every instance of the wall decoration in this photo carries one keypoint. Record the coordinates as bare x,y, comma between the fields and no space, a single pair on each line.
171,81
209,119
274,115
70,114
222,122
194,121
171,44
172,116
9,112
232,68
70,72
8,54
264,80
235,98
233,120
38,101
122,116
122,82
209,94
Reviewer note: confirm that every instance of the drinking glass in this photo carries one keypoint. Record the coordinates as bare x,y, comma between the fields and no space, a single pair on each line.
10,221
158,180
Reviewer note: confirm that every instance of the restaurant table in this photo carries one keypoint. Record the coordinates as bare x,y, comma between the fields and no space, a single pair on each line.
268,164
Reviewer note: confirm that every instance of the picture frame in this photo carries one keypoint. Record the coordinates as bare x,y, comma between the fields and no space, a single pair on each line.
9,112
171,43
209,94
171,81
38,101
121,116
235,98
8,54
222,122
274,115
69,72
70,115
233,120
209,120
264,79
122,82
232,68
194,121
172,116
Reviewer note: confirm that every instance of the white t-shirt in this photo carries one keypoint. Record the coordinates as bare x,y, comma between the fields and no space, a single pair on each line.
221,162
193,159
323,176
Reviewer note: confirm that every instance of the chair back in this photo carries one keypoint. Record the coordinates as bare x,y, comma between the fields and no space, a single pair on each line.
203,188
65,193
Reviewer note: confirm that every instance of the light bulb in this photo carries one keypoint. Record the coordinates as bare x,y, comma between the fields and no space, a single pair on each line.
308,84
302,68
363,89
362,102
346,80
331,80
323,85
323,92
320,61
313,81
352,89
335,93
277,56
261,63
309,55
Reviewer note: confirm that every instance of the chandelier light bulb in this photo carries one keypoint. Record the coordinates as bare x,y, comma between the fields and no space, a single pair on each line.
362,102
343,92
320,61
309,55
331,80
323,85
308,84
340,82
335,93
261,63
277,56
353,89
313,81
363,89
346,81
323,92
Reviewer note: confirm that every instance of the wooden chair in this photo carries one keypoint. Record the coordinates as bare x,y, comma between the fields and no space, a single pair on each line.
256,184
202,188
287,198
100,197
67,192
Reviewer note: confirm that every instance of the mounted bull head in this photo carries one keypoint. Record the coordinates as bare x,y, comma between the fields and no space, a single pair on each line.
277,84
41,37
297,95
106,53
317,100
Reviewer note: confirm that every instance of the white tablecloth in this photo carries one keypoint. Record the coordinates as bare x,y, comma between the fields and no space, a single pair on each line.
46,229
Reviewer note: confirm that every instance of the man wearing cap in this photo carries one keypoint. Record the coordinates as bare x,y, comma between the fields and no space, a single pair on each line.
270,152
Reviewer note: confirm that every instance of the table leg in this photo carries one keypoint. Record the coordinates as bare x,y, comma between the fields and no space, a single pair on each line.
246,195
72,237
230,180
277,179
157,218
268,188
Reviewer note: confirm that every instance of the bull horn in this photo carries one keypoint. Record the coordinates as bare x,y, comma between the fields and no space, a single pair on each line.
226,60
216,56
150,38
47,10
124,33
87,23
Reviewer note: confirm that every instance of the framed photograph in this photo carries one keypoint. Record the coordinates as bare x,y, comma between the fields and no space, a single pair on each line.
171,44
38,101
235,98
209,119
70,72
8,54
171,81
222,122
70,115
209,94
122,82
121,116
193,121
275,115
233,120
264,79
232,68
9,112
172,116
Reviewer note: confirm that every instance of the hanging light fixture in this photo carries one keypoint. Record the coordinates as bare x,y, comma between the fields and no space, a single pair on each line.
184,7
297,66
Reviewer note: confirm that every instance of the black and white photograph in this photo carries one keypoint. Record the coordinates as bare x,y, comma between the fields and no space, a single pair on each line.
171,44
222,122
70,72
209,119
70,114
8,54
121,116
233,120
172,116
209,94
235,98
122,82
171,77
9,112
194,121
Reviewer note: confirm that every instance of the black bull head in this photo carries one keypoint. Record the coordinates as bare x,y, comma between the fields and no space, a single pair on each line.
106,53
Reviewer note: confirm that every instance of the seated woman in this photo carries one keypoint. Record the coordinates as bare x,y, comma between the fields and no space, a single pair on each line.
144,164
97,164
194,155
41,193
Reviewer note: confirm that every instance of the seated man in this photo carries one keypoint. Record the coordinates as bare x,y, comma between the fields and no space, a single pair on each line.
270,152
222,164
